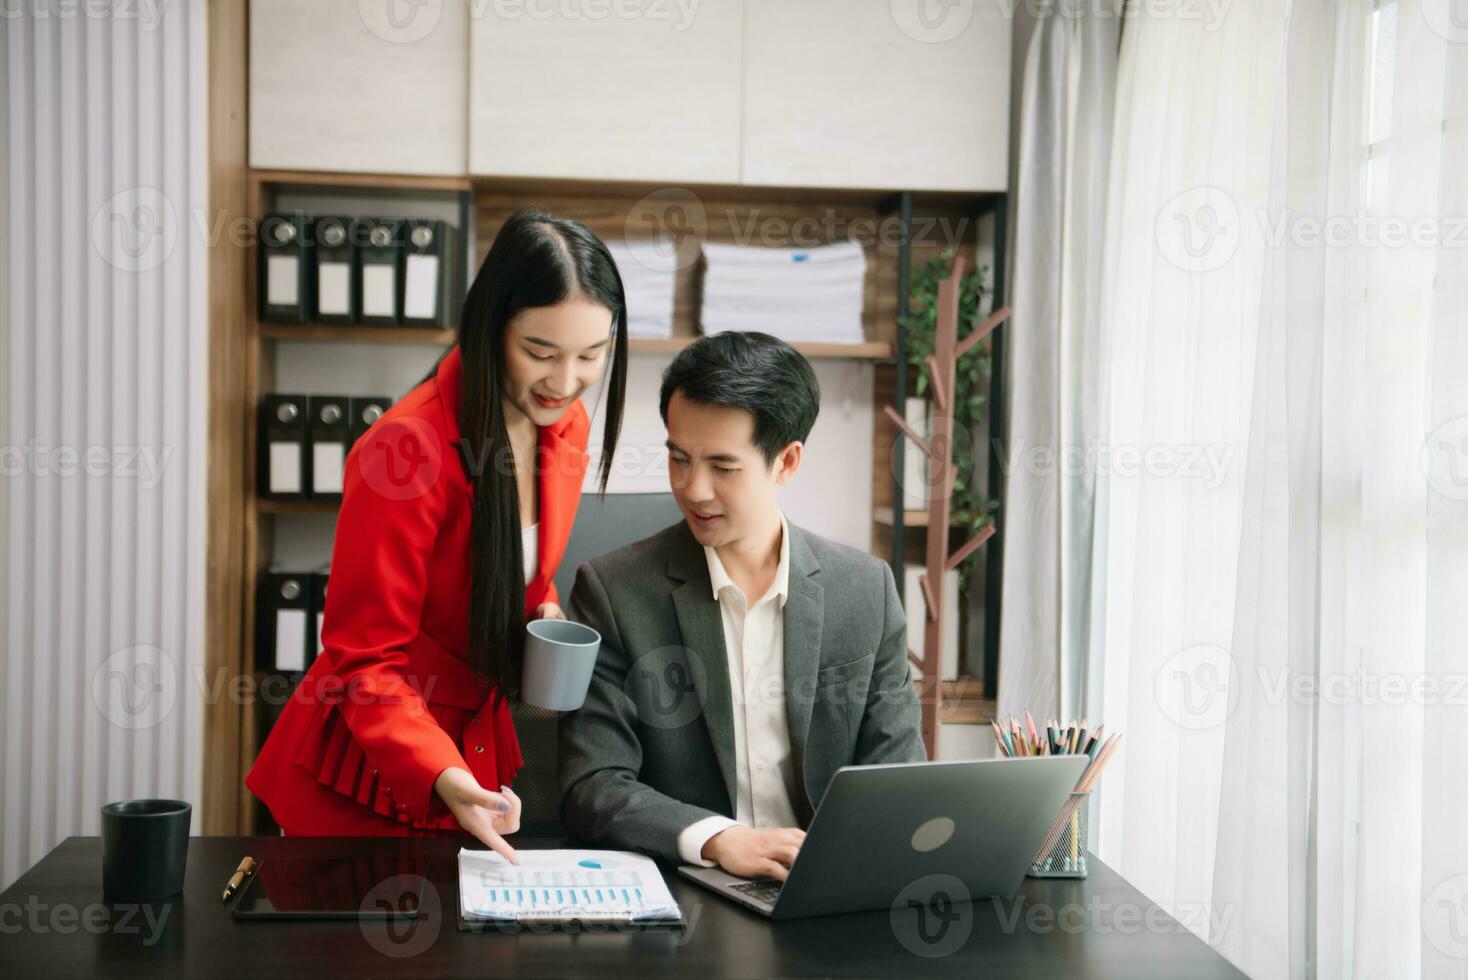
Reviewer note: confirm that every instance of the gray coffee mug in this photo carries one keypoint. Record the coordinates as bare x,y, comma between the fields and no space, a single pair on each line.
559,658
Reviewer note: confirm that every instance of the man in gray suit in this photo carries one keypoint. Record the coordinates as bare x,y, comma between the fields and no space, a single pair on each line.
714,723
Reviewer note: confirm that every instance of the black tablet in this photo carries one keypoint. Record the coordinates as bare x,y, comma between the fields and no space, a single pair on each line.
376,887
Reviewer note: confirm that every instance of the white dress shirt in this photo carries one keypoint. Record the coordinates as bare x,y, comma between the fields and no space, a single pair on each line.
530,549
754,641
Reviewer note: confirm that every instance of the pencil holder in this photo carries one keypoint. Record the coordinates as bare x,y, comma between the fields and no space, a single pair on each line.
1063,855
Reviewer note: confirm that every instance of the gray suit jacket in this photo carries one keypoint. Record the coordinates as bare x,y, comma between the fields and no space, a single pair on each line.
652,749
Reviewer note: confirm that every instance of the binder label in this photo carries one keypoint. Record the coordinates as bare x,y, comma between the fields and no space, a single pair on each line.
281,286
378,286
421,287
328,459
285,467
334,293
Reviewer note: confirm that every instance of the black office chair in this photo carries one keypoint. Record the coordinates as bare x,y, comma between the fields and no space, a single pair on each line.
601,526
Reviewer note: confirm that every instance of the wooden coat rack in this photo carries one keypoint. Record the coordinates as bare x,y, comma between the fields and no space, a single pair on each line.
938,446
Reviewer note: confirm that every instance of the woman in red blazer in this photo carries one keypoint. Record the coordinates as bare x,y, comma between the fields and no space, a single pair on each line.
455,513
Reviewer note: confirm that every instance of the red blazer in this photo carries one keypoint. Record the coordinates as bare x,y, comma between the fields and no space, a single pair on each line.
391,701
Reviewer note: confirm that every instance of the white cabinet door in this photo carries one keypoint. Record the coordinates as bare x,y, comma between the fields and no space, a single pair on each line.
371,86
608,89
907,94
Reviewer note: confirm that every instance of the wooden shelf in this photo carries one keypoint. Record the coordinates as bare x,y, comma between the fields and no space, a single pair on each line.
967,711
883,199
963,702
357,333
910,518
394,182
266,506
875,350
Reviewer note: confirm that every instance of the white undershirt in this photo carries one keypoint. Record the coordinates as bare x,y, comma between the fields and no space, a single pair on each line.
754,641
529,544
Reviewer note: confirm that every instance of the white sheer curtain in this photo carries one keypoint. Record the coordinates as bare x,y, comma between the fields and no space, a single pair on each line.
1281,632
1064,131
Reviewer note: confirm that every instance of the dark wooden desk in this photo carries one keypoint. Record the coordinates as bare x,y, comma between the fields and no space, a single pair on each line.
53,923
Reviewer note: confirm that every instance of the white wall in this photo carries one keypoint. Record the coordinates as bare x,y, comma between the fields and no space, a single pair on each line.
105,330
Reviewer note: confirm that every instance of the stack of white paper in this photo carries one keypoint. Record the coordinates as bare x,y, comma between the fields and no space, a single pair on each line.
797,294
649,270
563,885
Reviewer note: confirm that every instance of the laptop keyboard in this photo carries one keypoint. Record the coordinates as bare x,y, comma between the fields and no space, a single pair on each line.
763,890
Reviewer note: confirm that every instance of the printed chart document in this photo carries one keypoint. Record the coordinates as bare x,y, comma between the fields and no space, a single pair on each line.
563,885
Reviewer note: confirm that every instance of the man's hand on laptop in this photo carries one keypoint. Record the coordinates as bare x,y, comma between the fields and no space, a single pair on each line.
750,853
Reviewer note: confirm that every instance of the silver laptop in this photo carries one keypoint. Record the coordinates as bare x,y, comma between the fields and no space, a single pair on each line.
879,829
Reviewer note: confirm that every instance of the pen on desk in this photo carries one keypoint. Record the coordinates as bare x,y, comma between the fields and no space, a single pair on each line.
246,868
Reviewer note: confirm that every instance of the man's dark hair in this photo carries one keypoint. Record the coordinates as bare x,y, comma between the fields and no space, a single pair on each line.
753,372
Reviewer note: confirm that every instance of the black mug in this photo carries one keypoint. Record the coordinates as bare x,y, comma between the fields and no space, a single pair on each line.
144,846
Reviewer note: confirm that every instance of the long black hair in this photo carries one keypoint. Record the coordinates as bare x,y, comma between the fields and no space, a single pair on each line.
537,260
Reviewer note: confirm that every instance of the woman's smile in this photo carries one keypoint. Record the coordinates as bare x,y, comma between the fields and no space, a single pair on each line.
545,402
